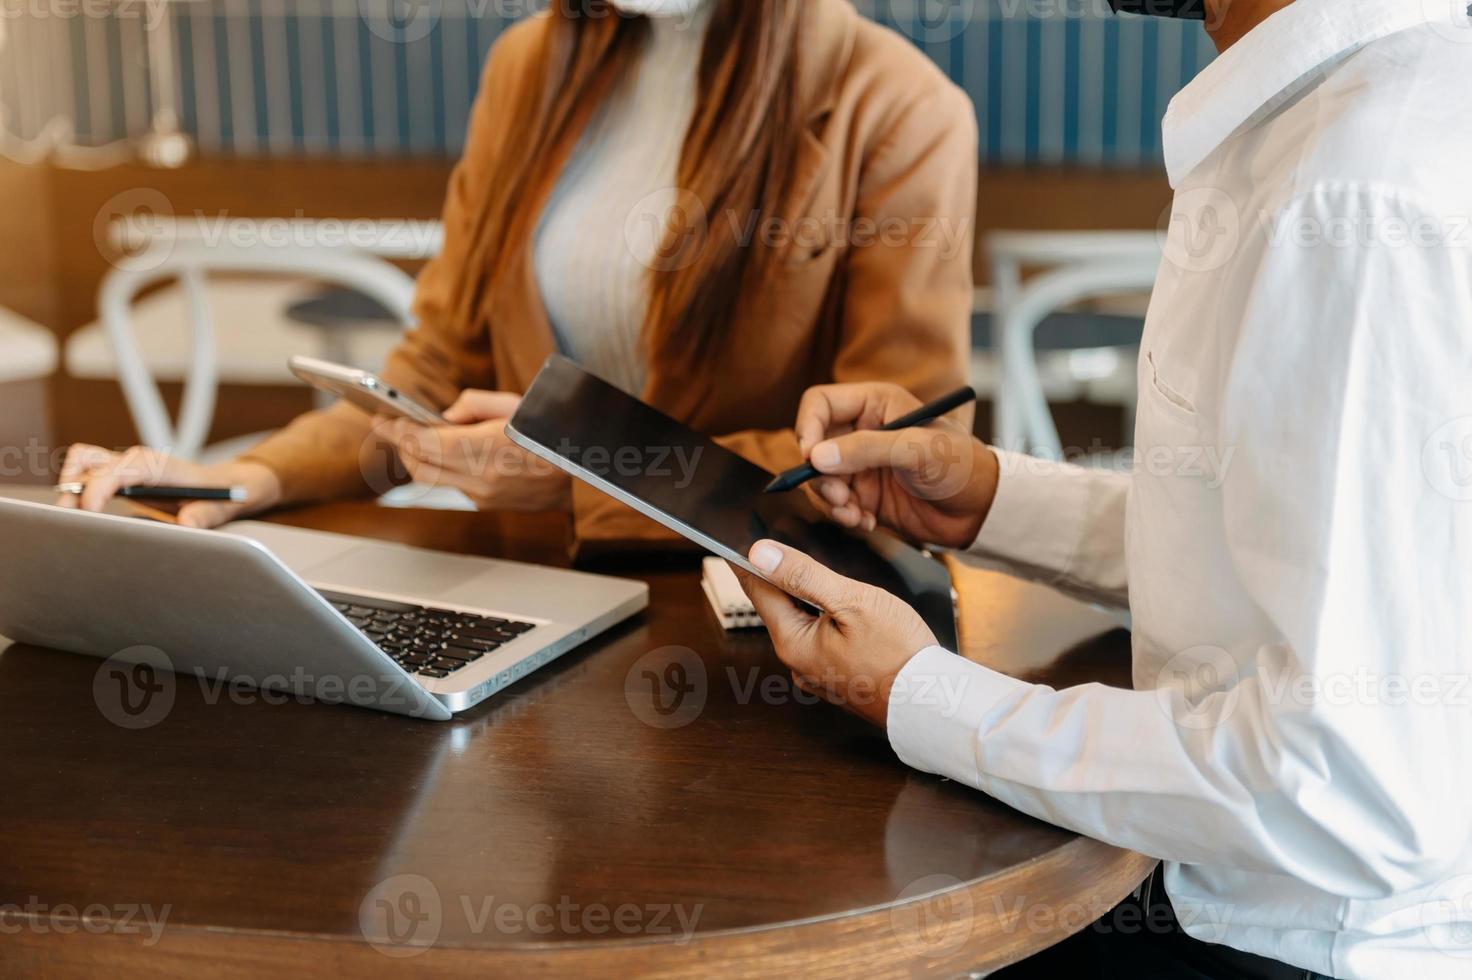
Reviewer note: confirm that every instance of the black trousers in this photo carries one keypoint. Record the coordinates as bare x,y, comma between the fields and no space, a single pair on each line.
1142,940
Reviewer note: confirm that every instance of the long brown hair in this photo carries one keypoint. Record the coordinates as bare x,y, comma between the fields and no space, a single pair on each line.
736,161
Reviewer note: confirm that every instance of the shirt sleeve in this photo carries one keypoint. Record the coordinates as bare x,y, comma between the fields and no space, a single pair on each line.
1332,755
1059,524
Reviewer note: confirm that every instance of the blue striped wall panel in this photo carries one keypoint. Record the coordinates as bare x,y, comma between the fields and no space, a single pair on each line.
1054,81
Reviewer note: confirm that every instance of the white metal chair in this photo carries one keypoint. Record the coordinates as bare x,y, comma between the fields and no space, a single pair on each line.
27,351
192,264
1076,266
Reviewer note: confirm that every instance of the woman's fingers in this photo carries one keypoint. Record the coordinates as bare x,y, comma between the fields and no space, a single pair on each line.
102,473
442,447
482,406
430,475
101,484
415,441
480,451
136,467
208,514
80,460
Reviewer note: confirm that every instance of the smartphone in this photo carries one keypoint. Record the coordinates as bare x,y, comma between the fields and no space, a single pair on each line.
363,389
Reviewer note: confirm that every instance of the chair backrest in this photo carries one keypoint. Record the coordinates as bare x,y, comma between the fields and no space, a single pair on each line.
1079,266
27,350
191,264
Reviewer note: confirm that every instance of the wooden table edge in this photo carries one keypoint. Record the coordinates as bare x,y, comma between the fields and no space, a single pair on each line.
1012,915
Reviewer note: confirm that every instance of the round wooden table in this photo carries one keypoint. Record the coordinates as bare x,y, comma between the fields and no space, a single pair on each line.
659,802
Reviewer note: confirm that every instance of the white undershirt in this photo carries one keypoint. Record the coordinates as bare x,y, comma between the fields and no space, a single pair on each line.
604,221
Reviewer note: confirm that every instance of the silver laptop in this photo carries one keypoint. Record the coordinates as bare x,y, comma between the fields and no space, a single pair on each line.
324,616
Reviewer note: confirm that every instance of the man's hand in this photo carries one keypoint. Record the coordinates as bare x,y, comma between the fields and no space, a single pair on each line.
851,652
932,484
474,455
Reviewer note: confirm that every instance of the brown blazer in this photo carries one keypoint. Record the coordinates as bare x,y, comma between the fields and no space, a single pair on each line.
878,287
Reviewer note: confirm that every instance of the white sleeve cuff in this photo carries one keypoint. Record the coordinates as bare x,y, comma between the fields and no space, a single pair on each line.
1039,515
938,707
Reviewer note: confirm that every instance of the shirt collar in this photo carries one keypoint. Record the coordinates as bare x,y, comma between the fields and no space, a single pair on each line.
1286,48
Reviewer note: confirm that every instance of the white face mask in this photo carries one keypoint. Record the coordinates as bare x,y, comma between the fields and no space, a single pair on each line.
658,8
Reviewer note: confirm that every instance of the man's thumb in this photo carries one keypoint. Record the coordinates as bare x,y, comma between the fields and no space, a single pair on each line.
857,452
936,460
800,577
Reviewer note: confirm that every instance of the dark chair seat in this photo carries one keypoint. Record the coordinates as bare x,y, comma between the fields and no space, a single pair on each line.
1068,331
335,307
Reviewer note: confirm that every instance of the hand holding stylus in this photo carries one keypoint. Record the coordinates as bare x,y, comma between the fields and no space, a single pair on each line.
932,484
796,477
91,476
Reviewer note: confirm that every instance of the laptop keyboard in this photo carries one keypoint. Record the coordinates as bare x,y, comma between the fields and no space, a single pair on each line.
423,640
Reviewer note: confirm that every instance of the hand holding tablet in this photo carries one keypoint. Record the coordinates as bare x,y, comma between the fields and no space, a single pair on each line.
703,491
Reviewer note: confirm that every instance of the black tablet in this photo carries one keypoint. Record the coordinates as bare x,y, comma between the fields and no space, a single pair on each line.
703,491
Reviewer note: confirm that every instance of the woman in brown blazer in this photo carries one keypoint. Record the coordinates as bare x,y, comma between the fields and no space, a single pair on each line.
818,228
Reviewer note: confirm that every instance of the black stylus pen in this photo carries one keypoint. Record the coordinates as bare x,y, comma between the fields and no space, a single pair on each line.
232,494
796,477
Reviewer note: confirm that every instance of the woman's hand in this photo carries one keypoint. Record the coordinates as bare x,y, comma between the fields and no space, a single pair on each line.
474,455
850,653
932,484
104,473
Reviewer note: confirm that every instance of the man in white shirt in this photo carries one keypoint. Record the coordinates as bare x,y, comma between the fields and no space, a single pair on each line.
1294,542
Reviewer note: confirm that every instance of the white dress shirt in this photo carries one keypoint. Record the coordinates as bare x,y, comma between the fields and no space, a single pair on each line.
1295,540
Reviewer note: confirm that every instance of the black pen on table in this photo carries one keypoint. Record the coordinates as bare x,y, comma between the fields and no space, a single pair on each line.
797,476
236,495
